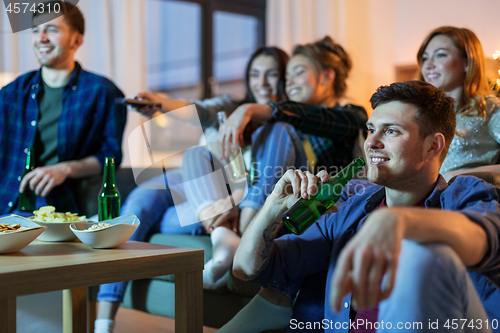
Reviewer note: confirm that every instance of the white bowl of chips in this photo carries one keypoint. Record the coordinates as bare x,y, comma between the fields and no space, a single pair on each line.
17,232
57,224
106,234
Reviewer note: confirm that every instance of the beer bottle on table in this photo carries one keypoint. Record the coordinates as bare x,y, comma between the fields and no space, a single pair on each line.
27,199
236,166
109,197
306,211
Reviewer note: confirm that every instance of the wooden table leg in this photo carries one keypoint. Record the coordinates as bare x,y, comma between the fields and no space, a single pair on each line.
8,315
75,310
189,302
91,315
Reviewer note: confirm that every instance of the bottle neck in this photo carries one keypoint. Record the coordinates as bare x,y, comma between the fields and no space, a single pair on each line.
109,172
30,159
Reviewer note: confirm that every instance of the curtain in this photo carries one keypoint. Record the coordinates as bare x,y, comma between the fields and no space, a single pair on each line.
114,46
292,22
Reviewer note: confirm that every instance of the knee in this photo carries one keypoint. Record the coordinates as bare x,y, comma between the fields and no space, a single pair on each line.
425,260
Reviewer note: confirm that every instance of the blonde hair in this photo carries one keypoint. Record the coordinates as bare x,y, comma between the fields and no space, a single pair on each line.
472,101
327,54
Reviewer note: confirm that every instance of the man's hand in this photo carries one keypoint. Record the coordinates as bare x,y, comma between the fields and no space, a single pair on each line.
43,179
258,240
368,258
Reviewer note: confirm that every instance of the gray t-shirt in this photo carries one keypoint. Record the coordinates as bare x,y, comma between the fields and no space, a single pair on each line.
477,140
50,108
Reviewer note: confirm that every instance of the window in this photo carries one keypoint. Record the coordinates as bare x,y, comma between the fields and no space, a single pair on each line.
199,49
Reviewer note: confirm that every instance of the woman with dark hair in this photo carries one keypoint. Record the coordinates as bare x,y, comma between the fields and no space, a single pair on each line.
153,204
452,59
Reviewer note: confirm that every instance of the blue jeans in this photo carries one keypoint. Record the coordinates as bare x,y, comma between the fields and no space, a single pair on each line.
155,209
432,286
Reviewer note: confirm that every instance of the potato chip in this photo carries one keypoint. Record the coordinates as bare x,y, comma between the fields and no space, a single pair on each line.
98,226
48,214
5,228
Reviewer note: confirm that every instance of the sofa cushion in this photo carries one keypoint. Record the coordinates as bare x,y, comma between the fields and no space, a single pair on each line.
197,242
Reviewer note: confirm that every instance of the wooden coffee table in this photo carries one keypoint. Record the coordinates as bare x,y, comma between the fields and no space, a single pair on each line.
73,266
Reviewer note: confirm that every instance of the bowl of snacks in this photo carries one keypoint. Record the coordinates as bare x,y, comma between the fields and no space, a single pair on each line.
57,224
17,232
106,234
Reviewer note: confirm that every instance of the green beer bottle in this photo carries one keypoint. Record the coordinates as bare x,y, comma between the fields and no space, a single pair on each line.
27,199
109,197
306,211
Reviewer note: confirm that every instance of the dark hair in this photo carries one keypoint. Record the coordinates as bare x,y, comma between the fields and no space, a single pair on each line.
281,58
435,110
475,84
326,54
72,14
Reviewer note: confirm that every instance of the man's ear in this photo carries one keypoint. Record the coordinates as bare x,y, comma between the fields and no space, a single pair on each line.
78,41
434,144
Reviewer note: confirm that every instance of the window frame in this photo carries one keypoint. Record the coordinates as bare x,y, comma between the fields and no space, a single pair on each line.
255,8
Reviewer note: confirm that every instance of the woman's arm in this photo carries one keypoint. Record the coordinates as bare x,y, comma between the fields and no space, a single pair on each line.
339,122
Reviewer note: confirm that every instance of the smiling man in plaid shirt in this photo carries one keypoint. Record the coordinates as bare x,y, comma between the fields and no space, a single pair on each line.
67,114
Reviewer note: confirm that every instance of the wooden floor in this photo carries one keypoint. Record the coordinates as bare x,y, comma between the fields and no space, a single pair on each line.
133,321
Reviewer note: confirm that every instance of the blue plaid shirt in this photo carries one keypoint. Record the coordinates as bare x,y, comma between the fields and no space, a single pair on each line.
91,124
332,132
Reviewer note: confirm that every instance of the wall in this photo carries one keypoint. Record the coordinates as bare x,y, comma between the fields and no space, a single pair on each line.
398,27
378,34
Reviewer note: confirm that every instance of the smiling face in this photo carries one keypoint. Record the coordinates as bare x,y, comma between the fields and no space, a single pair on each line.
394,147
304,83
54,42
443,66
263,79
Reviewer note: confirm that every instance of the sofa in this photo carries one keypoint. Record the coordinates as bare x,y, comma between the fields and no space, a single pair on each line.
156,295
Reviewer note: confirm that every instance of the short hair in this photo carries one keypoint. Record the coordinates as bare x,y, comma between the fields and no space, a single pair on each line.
326,54
281,58
72,14
435,110
475,83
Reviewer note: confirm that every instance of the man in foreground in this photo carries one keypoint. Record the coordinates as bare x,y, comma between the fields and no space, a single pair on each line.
397,253
67,114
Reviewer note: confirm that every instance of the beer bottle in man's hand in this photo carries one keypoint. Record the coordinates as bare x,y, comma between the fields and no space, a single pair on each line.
306,211
27,199
109,197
